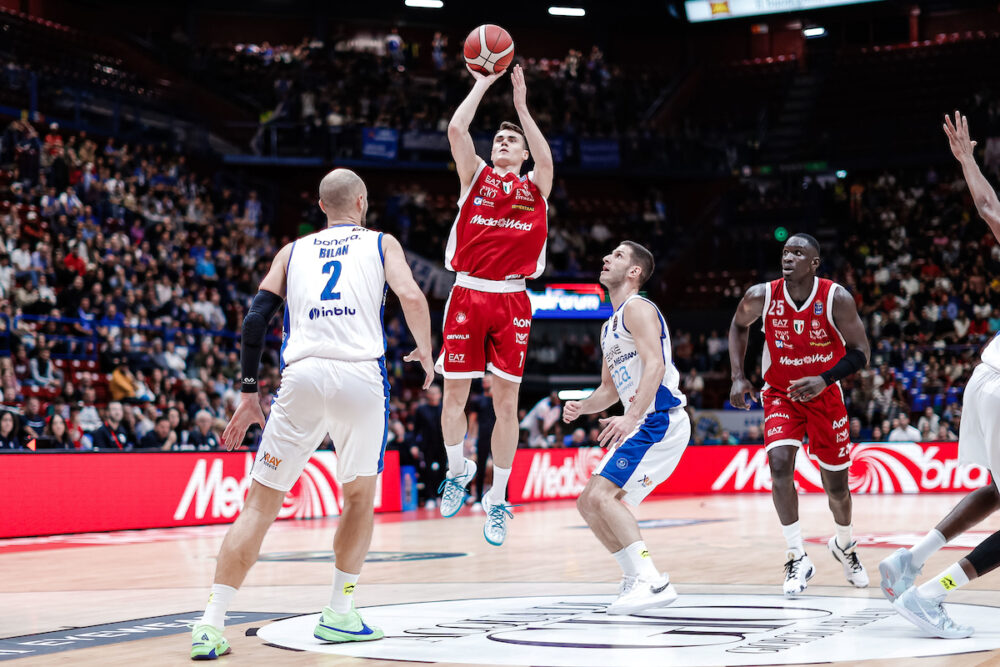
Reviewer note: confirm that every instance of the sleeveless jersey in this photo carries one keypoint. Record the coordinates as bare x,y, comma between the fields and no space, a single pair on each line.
501,229
625,365
991,353
335,288
800,342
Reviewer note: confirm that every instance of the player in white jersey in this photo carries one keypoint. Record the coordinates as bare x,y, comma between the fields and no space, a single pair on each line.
333,382
978,442
645,443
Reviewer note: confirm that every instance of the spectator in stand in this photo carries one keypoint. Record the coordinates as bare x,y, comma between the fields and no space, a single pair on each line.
44,373
482,419
90,417
694,385
32,422
56,430
904,432
114,432
161,437
945,433
429,439
123,383
928,424
541,419
9,436
202,437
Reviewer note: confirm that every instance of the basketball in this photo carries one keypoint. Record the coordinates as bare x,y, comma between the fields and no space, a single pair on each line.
488,49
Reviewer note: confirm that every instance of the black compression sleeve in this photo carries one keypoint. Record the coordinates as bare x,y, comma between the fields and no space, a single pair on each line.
849,364
263,308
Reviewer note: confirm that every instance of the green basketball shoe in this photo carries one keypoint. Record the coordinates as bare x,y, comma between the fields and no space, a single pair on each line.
207,643
349,627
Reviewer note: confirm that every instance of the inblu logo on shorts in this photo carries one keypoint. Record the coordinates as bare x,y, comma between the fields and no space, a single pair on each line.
336,311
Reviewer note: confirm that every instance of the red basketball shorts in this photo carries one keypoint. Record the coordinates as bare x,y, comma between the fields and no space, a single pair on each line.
823,419
485,331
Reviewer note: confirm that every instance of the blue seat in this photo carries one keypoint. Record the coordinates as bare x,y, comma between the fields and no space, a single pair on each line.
920,402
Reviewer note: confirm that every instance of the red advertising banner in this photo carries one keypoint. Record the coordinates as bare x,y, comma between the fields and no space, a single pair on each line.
908,467
48,494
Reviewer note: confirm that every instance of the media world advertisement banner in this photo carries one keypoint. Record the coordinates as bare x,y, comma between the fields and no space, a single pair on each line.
931,467
380,142
48,494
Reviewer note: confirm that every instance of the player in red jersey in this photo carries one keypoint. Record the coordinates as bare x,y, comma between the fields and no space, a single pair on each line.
497,241
814,339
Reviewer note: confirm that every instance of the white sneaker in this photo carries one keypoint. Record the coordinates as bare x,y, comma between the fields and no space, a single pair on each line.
853,569
798,572
638,594
453,491
898,573
495,530
929,615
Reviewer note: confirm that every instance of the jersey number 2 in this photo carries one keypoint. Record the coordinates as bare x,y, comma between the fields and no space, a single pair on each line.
328,293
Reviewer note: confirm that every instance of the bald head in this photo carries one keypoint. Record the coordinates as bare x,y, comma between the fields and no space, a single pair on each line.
343,196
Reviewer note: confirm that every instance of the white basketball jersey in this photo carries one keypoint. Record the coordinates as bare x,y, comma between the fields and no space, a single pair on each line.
335,296
991,353
625,365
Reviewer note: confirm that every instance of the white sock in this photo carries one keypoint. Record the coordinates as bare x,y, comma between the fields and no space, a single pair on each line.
793,538
640,560
624,562
843,535
456,459
218,604
498,492
923,549
343,591
952,578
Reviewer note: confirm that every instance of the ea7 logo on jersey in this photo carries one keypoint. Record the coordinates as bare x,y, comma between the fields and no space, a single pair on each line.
779,324
494,181
522,338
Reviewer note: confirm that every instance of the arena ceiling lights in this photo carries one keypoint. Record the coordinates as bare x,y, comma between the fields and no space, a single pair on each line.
424,4
567,11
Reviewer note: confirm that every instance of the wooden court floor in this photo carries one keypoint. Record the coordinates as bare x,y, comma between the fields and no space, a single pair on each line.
732,547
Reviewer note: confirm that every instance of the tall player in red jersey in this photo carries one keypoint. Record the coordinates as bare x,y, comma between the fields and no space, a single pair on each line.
814,339
497,241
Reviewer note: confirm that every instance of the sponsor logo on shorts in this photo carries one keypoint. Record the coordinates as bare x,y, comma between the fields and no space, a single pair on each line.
521,207
799,326
818,307
843,436
522,322
458,336
522,338
774,431
775,415
487,192
840,423
456,358
336,311
817,358
271,462
646,482
622,464
460,317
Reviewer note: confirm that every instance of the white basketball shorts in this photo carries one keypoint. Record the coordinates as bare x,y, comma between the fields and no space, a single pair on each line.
349,400
979,431
649,455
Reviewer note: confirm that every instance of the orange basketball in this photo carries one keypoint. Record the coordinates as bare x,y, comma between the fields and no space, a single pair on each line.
488,49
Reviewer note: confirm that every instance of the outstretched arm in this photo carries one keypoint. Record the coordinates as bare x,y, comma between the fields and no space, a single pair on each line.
462,149
750,309
537,145
982,193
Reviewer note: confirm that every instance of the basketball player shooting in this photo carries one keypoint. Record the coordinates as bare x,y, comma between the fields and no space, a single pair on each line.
333,382
646,442
977,443
814,339
497,240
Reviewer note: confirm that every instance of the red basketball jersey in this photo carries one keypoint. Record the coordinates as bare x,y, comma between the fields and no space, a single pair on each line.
501,228
800,342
